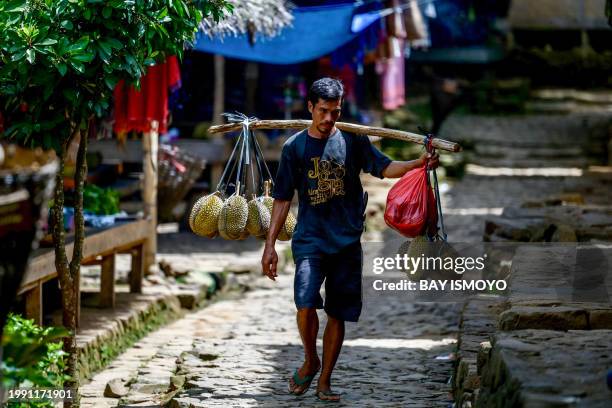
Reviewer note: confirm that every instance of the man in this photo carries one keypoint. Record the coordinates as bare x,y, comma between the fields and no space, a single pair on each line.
323,165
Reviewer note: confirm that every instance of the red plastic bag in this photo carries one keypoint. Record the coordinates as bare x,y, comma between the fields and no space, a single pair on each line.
411,205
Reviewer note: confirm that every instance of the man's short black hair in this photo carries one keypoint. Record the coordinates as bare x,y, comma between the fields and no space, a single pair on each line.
328,89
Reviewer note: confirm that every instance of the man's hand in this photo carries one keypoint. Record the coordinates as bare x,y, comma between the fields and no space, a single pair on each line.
434,160
269,260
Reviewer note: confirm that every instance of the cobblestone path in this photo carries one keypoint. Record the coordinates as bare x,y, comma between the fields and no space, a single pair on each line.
241,352
246,349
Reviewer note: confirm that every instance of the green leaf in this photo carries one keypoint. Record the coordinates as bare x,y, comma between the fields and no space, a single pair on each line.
84,57
30,56
48,41
18,56
110,81
67,24
107,12
105,47
78,66
79,45
114,43
62,68
18,6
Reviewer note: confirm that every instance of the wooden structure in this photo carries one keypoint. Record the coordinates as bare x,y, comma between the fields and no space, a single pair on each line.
99,247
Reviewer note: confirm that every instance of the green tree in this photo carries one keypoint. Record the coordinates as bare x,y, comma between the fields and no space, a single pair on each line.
59,63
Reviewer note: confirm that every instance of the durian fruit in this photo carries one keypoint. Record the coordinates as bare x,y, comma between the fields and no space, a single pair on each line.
286,232
233,217
194,212
204,216
258,220
418,247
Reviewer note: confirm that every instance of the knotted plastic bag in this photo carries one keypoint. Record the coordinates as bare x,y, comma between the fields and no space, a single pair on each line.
411,205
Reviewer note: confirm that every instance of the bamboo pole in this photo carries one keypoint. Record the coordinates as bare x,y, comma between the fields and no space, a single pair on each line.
349,127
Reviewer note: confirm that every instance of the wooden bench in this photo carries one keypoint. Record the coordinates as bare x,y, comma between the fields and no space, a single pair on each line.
99,247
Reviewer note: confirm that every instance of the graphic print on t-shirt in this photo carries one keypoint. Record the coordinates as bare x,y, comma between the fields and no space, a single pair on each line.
329,178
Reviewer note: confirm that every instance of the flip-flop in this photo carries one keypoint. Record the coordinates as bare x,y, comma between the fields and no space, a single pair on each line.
328,393
306,380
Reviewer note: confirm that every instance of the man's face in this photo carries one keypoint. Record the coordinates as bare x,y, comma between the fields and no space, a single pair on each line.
325,114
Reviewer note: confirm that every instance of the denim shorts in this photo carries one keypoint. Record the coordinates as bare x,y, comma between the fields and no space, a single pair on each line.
342,275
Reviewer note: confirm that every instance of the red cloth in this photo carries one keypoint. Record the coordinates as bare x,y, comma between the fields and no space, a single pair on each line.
134,110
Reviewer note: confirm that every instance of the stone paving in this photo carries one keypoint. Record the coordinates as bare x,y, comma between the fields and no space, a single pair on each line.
240,352
398,355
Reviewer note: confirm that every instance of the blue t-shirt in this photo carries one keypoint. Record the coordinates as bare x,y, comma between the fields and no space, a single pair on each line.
325,172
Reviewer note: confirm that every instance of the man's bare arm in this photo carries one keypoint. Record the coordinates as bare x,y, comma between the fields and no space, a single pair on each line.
269,260
397,169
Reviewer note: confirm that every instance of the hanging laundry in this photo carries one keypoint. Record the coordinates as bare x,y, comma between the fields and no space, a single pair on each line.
430,10
396,26
392,81
416,29
135,109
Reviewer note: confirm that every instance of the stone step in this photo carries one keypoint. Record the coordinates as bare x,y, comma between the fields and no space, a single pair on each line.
477,326
527,152
543,368
561,223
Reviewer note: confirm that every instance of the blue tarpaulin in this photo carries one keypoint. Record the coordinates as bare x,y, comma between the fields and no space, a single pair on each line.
315,32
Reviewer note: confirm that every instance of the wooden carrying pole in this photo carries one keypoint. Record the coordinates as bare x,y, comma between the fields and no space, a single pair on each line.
349,127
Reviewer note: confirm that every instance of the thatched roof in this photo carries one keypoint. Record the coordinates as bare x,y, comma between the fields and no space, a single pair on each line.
253,17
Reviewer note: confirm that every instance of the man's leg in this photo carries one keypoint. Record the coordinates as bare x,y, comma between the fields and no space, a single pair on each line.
308,325
308,280
332,344
342,303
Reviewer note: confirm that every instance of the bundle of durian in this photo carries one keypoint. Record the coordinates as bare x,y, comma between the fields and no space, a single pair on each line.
288,228
235,218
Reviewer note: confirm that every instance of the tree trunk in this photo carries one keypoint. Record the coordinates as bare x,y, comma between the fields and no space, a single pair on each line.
68,273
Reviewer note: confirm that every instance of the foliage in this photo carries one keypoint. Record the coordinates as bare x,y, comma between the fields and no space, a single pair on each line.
100,201
61,59
33,355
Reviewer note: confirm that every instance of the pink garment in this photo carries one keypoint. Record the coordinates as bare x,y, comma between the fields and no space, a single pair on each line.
392,82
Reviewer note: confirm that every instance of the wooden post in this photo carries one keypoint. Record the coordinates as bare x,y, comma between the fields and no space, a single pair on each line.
34,304
137,271
251,77
107,281
149,193
218,108
219,95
